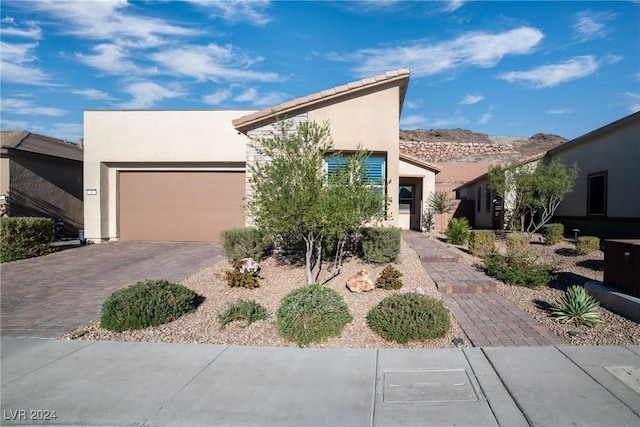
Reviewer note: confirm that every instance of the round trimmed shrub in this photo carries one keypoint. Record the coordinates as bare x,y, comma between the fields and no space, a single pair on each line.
147,303
312,313
409,316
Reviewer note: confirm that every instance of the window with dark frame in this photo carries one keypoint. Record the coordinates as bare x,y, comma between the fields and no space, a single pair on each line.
374,172
487,201
597,194
479,199
405,198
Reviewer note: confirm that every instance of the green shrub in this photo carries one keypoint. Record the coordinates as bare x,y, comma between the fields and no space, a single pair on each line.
24,237
312,313
518,243
577,306
380,245
552,233
409,316
389,278
146,303
458,231
587,244
518,270
238,279
247,242
482,242
245,310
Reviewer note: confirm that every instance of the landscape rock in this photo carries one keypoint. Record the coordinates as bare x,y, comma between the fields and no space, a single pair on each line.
249,265
360,282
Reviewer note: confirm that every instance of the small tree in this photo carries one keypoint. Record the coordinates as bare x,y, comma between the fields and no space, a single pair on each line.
439,203
291,194
532,190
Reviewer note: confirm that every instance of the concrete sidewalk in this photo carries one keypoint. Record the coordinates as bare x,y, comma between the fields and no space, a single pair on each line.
110,383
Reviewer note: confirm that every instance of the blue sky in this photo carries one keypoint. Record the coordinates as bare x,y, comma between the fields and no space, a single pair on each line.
500,68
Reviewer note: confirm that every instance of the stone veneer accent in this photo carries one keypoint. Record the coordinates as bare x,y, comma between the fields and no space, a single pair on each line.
253,158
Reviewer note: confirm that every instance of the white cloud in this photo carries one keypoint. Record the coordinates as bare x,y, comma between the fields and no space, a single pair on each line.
69,131
554,74
453,5
412,104
26,107
251,11
217,97
18,53
247,96
471,99
147,94
557,111
592,25
211,62
634,101
486,118
476,49
419,121
92,94
110,20
109,58
13,73
256,99
9,28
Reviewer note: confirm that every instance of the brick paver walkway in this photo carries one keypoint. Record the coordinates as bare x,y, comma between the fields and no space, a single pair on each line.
487,318
48,296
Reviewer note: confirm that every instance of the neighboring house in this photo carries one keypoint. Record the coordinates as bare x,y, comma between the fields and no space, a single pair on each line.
184,175
41,176
605,201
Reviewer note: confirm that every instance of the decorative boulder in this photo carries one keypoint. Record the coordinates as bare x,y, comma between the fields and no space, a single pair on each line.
360,282
248,265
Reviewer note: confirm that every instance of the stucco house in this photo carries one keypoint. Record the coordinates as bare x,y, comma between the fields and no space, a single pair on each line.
605,200
41,176
184,175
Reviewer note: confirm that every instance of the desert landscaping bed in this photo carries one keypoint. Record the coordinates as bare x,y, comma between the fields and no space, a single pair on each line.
572,269
278,279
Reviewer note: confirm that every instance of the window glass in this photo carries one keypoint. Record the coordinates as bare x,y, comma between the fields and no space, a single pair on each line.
405,198
597,198
479,199
487,201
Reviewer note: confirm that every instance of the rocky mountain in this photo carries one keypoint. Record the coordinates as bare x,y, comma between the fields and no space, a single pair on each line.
462,145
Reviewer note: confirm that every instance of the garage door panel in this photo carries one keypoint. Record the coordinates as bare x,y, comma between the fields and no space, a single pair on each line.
179,206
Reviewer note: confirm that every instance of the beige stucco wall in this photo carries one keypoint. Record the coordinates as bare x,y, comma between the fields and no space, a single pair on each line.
371,119
428,185
4,179
618,153
47,186
151,140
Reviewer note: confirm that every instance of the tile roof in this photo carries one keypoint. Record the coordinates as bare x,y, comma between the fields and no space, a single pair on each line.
40,144
401,75
419,162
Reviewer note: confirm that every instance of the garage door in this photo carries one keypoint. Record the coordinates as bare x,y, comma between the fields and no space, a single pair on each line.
179,206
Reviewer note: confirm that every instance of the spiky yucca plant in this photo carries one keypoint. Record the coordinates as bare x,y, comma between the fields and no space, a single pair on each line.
577,306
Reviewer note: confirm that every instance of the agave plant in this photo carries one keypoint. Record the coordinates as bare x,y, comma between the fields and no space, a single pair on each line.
577,306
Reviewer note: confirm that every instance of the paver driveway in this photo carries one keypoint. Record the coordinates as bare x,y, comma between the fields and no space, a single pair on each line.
49,296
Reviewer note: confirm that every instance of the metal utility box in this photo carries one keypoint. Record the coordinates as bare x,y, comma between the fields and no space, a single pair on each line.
622,265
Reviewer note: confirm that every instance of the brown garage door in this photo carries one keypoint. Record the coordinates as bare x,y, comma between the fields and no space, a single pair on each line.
179,206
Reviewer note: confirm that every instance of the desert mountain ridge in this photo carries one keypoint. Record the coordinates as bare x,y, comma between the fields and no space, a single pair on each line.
462,145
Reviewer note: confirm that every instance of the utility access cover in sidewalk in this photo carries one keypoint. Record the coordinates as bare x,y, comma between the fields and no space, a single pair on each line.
432,386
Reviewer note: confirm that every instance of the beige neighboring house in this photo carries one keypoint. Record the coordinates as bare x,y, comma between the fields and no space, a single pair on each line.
605,201
41,176
183,175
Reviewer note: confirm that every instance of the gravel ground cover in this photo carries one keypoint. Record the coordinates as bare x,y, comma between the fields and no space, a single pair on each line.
278,279
572,269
